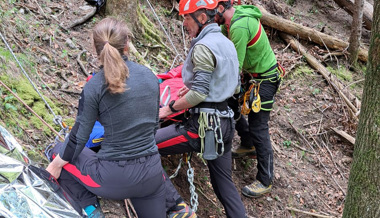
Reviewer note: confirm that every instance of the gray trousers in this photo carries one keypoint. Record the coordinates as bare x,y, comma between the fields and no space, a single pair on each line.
142,180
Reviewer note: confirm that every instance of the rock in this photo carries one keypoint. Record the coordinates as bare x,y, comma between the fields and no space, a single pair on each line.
45,59
86,7
70,44
346,160
21,11
47,10
277,176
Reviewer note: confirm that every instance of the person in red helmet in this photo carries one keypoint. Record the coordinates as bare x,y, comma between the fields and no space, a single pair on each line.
211,76
259,70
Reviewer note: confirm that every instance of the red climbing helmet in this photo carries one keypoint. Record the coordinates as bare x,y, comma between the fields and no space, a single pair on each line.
190,6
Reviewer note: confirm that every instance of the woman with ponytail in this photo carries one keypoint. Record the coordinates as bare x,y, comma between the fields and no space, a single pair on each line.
124,98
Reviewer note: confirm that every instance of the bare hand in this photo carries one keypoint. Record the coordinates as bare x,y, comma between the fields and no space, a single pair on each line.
54,170
164,112
55,167
182,91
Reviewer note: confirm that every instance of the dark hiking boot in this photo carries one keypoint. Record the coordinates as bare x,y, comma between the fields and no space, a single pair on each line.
256,189
242,151
182,210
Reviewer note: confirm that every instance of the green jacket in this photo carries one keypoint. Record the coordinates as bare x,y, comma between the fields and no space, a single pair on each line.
259,57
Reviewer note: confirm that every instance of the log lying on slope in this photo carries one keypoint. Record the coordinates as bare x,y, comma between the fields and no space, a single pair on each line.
344,135
332,80
348,5
307,33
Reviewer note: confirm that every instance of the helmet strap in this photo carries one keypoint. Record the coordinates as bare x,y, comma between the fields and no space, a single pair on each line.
210,13
227,5
197,21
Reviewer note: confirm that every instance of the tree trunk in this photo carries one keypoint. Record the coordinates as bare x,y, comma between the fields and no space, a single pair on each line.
307,33
349,6
363,197
356,31
124,10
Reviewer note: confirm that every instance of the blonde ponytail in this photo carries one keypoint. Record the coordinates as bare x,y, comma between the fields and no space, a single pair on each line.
110,40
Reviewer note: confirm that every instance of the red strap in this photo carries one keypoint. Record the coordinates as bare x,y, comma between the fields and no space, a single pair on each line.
257,36
239,2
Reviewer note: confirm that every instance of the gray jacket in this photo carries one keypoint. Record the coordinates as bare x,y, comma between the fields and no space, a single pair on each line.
224,79
130,119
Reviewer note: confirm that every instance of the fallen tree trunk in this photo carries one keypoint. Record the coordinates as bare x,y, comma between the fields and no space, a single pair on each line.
348,5
344,135
307,33
331,79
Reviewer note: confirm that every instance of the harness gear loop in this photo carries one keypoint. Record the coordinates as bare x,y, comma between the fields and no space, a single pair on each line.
210,122
218,136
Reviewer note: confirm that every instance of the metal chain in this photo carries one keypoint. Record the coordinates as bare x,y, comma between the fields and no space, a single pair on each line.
194,195
57,119
190,179
219,138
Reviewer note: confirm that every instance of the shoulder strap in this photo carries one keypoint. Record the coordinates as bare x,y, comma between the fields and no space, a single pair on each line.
255,38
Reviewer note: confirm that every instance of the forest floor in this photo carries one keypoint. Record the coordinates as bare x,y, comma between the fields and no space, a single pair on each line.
311,162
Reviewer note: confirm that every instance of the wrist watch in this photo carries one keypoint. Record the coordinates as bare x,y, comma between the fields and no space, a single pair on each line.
172,108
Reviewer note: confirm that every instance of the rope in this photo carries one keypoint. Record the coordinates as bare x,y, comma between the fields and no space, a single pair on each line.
175,174
31,110
167,35
57,119
203,125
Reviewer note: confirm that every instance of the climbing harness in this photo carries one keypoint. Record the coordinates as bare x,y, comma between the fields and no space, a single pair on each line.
190,178
57,119
210,134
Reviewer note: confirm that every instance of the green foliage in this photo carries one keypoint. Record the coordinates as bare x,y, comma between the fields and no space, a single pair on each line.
290,2
287,143
315,91
17,111
342,73
247,163
287,108
303,154
303,69
5,54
